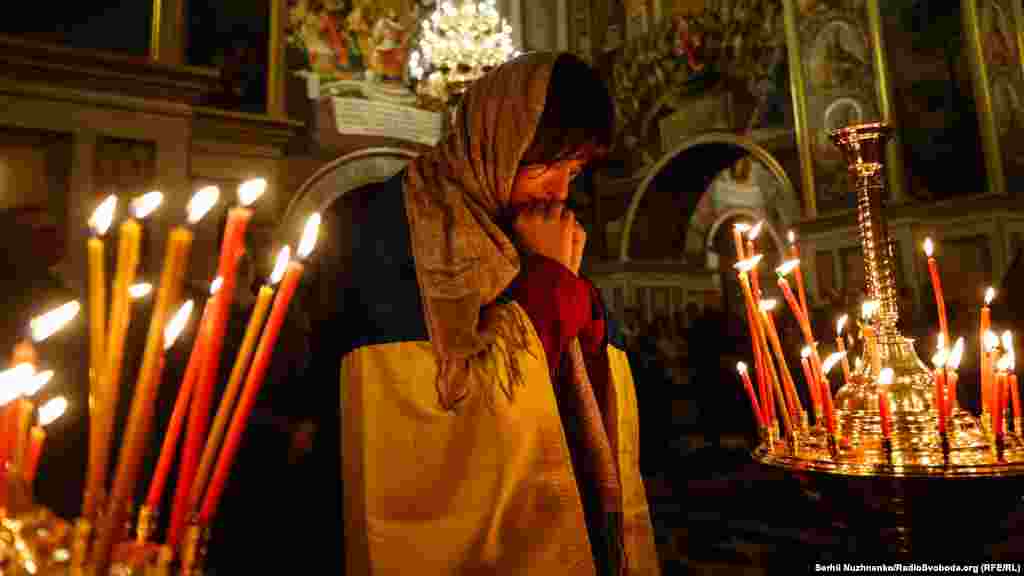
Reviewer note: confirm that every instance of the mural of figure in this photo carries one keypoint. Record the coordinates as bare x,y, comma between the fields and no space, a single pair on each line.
359,40
390,48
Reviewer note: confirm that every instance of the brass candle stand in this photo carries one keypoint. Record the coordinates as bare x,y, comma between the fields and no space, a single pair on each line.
916,470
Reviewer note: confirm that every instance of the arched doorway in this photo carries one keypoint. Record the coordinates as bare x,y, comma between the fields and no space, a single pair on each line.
693,166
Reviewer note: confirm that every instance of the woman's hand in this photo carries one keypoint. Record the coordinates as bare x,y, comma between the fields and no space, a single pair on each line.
551,230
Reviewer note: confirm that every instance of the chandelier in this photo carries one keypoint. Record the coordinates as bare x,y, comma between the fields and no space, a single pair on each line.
460,42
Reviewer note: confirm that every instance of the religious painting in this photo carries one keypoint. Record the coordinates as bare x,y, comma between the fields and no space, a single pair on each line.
997,25
839,85
232,37
933,96
354,56
359,46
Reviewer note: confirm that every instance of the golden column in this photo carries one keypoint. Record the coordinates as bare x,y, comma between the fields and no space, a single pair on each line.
983,97
798,89
893,150
1018,21
276,65
167,32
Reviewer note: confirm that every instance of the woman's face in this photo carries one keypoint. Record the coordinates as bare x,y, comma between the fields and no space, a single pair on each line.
544,183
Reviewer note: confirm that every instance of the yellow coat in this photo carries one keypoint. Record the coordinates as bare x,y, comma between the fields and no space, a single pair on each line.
487,488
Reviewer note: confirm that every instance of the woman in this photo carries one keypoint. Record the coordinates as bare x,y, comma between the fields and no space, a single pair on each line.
488,425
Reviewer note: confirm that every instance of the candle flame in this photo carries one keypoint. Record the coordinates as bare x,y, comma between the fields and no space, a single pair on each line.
741,367
748,264
250,191
792,237
869,308
787,267
51,410
1004,363
885,377
940,358
140,290
741,227
103,215
841,323
755,231
805,352
48,324
858,364
145,205
215,285
940,341
929,247
831,361
280,265
991,341
309,234
768,305
990,295
1007,341
33,385
202,202
12,381
177,324
956,355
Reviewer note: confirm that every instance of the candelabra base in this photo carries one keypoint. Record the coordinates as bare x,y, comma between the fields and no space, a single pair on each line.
918,517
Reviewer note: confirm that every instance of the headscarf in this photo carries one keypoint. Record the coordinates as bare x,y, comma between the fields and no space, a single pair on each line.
454,195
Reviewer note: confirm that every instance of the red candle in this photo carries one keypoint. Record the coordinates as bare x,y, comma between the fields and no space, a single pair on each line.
940,301
170,443
35,448
812,382
952,365
48,413
940,398
742,368
1015,396
841,347
997,401
254,381
883,412
794,306
795,255
213,330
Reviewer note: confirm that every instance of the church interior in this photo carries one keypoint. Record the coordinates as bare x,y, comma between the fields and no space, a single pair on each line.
726,113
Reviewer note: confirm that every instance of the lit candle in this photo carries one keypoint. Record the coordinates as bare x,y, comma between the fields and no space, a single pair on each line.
257,372
794,251
986,360
940,302
841,346
826,391
749,387
99,223
1018,418
752,323
1002,367
885,377
812,382
220,421
989,345
140,417
939,379
738,230
104,409
232,247
170,442
48,413
755,277
792,400
794,306
952,365
775,391
12,383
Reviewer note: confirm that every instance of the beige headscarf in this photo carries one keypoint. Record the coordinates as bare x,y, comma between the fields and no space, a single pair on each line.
453,196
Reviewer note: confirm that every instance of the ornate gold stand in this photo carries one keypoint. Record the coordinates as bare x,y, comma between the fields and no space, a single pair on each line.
918,471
